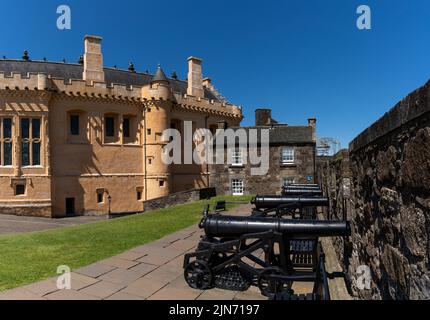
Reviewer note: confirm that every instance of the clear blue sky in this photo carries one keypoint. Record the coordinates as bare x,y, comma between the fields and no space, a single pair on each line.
302,58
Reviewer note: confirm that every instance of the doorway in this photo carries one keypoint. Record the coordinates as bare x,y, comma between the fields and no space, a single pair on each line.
70,206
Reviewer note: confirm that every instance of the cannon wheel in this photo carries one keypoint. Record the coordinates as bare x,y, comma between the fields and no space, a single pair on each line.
267,284
198,275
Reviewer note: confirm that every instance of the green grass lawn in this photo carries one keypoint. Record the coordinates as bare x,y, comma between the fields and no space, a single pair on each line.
27,258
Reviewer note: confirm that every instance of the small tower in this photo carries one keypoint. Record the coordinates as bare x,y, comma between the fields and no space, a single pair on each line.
158,110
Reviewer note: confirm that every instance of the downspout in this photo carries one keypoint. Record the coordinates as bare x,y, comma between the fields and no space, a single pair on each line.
207,162
145,185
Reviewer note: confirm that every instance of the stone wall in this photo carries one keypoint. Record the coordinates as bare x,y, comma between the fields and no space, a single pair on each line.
334,176
390,169
178,198
270,183
30,209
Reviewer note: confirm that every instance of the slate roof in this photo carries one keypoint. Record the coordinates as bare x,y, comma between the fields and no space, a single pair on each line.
159,75
74,71
283,134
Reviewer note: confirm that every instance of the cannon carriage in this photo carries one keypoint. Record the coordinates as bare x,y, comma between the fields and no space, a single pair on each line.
270,253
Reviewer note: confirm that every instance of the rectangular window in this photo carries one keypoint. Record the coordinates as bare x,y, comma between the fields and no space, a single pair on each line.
110,127
25,153
7,128
161,182
100,197
20,190
288,181
36,154
31,142
237,187
35,128
6,141
126,127
287,156
237,157
74,125
25,128
7,153
139,195
148,132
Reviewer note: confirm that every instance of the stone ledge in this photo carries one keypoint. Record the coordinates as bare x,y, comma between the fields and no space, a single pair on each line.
413,106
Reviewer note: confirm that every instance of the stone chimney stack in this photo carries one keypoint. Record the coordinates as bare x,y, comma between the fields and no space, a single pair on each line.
195,77
263,117
207,82
93,59
312,122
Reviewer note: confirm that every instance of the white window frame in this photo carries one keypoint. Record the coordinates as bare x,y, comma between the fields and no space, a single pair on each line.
237,158
287,155
237,187
285,179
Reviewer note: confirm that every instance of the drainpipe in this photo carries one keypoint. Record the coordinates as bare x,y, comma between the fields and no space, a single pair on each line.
207,162
145,184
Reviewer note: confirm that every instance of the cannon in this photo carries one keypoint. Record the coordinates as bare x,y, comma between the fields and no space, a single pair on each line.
302,186
297,206
288,192
237,252
270,202
237,226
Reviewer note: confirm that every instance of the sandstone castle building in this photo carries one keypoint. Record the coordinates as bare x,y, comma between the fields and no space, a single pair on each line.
82,138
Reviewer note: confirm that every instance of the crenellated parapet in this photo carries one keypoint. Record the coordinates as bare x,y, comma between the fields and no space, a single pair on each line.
197,104
18,81
116,92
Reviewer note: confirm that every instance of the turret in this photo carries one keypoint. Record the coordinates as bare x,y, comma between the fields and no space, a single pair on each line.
158,109
160,86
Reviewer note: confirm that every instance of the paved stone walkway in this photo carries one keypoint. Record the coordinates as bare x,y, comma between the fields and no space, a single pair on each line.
152,271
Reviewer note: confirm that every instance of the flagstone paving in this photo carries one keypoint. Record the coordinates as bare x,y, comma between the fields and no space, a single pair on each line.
153,271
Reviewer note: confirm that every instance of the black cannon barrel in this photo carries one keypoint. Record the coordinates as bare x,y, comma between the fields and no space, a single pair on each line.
304,192
271,202
304,186
233,226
